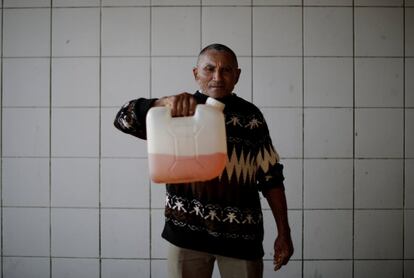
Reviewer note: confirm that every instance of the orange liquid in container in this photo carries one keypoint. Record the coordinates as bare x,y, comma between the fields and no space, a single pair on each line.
176,168
186,149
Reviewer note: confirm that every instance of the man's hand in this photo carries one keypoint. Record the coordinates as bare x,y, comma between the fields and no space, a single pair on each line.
283,251
181,105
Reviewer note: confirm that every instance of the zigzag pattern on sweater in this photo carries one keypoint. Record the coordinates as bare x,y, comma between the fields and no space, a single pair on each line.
244,167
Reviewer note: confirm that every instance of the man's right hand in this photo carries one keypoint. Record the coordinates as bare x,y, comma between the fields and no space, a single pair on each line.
181,105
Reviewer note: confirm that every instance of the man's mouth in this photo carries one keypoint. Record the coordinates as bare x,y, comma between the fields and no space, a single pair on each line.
217,86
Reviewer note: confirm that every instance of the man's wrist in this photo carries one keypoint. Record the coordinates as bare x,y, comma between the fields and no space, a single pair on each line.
284,232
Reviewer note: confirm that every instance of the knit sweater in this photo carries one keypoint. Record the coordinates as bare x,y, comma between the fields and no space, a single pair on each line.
221,216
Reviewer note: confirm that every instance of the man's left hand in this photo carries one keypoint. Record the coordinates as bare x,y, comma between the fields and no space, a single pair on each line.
283,251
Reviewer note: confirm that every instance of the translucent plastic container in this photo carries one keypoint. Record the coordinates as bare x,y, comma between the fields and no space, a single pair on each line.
186,149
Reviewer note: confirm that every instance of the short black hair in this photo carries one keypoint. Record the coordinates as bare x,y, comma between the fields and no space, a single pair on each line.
218,47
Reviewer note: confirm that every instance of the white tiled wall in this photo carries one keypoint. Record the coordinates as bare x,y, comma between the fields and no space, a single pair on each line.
334,79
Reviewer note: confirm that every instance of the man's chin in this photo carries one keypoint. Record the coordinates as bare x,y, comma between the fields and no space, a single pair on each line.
217,92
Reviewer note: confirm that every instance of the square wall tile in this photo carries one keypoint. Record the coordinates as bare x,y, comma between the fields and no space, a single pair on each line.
292,270
328,234
75,32
126,268
277,31
409,183
26,32
379,82
379,2
285,128
26,82
234,24
75,232
409,133
159,268
115,143
26,3
125,31
295,223
75,268
166,82
409,82
125,2
409,234
277,81
25,181
378,31
124,79
409,32
25,131
328,2
337,269
328,132
26,231
184,29
125,233
378,133
409,3
243,88
76,3
80,190
408,268
328,183
15,267
127,186
378,269
328,31
157,195
75,132
379,226
384,177
75,82
328,82
159,246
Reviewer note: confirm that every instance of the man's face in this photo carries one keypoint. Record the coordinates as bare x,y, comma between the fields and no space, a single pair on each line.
216,73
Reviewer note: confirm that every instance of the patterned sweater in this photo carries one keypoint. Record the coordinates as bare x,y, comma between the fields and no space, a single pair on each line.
221,216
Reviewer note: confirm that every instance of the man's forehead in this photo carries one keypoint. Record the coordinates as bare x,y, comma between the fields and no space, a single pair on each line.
212,57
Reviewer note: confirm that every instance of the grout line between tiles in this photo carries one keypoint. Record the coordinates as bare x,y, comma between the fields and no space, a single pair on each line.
149,182
303,142
353,140
404,141
50,135
251,52
100,143
1,142
207,6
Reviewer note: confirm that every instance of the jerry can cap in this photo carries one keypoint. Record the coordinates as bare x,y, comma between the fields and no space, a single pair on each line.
215,103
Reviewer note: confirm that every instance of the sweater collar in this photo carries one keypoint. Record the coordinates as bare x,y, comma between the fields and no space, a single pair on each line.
224,100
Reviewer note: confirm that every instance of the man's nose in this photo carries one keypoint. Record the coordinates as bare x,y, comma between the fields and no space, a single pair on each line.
218,75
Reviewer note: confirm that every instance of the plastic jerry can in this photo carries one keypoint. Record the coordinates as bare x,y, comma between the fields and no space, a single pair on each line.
186,149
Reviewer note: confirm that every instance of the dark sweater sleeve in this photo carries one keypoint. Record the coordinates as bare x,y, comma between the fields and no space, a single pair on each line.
269,170
130,118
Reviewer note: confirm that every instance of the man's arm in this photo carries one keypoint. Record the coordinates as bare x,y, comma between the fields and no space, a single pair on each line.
131,117
283,246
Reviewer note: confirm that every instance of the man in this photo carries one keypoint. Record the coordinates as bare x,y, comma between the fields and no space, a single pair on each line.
221,219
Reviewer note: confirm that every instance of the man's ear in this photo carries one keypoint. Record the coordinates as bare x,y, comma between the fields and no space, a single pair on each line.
237,75
195,73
